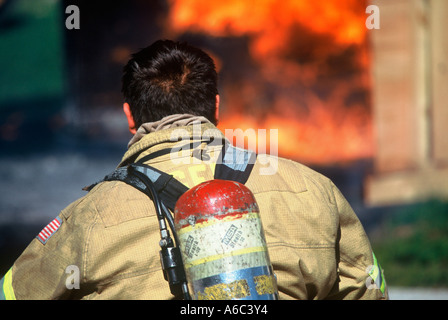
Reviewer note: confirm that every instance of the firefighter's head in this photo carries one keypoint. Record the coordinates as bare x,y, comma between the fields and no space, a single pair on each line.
168,78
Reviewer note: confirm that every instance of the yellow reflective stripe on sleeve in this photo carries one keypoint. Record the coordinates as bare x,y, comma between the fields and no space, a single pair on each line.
377,274
7,292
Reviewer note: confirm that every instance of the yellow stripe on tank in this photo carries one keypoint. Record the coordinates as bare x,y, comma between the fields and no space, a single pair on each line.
225,255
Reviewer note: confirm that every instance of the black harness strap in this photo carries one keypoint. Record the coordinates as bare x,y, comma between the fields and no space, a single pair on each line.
168,188
235,164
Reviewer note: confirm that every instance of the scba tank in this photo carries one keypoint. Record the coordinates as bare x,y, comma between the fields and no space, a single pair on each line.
222,242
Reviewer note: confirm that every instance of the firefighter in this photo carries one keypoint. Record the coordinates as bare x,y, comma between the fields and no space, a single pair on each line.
105,244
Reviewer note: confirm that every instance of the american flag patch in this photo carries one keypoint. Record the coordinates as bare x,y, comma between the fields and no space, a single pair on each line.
49,230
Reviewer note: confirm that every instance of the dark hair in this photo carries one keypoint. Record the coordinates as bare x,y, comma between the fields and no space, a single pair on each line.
170,78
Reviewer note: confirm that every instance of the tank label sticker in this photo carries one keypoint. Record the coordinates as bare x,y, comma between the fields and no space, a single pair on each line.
210,241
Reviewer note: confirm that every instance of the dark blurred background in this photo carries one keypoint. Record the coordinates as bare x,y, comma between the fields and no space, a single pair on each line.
315,79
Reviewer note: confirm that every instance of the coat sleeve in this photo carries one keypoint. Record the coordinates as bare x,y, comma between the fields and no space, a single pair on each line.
359,272
51,265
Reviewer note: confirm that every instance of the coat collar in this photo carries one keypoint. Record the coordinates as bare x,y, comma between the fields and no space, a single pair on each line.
167,138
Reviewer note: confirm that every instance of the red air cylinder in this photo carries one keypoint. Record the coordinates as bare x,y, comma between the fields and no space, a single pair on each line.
222,242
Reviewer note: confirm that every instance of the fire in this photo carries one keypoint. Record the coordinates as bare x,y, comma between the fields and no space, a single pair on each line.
311,79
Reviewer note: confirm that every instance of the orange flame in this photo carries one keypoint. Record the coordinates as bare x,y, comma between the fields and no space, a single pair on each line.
269,20
297,46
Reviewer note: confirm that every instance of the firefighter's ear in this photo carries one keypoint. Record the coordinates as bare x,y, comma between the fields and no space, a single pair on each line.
131,122
217,108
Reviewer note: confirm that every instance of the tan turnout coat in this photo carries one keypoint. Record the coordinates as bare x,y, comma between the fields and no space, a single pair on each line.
108,239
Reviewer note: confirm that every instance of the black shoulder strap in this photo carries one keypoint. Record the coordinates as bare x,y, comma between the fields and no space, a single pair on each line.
235,164
168,188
